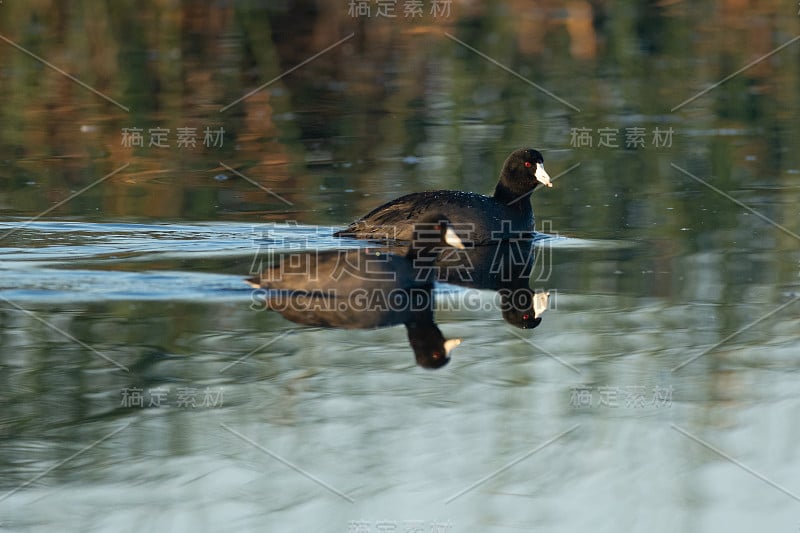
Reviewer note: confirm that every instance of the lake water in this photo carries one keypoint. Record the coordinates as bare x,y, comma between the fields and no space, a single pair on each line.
140,389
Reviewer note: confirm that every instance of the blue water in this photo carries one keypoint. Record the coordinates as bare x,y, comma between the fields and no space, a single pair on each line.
94,312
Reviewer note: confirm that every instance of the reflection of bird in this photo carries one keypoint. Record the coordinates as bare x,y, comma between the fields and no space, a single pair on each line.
523,307
364,288
507,267
412,307
509,210
430,347
503,266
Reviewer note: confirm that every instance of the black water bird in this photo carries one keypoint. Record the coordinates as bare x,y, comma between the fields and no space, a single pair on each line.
484,218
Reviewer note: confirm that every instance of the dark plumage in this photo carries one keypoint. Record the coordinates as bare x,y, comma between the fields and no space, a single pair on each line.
412,308
479,219
367,288
503,266
366,269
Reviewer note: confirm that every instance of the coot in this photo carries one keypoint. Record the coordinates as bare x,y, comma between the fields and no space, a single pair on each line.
483,218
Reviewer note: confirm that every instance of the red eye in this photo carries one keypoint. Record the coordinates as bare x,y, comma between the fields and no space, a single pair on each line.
526,316
528,164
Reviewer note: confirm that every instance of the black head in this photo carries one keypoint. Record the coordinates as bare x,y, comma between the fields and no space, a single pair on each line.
523,308
522,171
431,349
521,319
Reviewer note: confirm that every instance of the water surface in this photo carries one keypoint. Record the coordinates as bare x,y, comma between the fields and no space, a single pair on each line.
139,388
